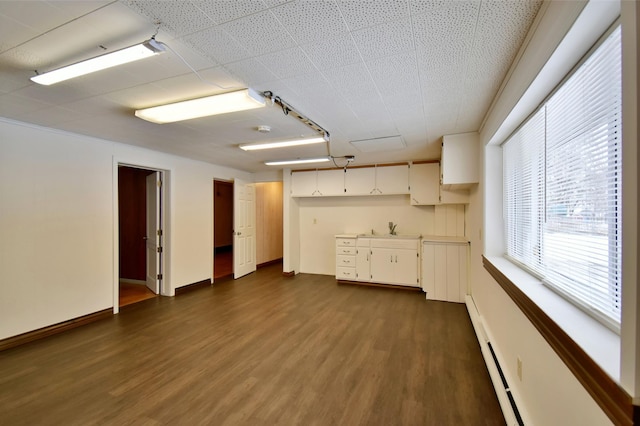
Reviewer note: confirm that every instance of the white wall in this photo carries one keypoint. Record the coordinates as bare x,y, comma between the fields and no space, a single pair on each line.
57,223
548,394
321,218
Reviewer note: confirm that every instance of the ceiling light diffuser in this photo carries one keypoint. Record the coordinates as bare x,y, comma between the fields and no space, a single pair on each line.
222,103
298,161
128,54
282,144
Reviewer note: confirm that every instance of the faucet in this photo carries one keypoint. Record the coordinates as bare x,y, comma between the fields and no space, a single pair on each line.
392,228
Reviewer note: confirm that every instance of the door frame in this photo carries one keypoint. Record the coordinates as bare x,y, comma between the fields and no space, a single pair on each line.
166,207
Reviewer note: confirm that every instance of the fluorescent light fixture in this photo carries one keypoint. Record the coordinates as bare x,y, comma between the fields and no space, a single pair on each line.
298,161
108,60
222,103
281,144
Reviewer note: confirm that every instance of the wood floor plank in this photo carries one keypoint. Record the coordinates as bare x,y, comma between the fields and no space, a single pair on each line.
263,349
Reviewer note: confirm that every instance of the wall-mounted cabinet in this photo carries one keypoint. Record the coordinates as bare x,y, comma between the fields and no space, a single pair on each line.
460,160
374,180
359,181
317,183
425,188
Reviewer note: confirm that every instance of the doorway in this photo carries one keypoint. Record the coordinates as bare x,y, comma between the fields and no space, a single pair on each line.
222,230
139,234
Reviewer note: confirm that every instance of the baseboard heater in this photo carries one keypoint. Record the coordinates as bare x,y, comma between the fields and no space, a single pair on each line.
516,413
501,386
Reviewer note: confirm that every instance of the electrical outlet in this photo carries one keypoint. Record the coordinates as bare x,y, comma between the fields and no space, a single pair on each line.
519,368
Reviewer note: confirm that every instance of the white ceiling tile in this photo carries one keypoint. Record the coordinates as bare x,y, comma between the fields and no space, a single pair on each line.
333,52
366,13
273,3
311,84
12,32
347,77
393,73
449,28
250,71
385,39
310,20
217,45
228,10
13,105
287,63
178,17
259,33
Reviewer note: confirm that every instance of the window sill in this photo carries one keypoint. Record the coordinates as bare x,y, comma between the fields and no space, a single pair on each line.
589,349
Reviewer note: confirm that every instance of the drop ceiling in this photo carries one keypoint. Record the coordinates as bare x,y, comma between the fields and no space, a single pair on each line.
414,69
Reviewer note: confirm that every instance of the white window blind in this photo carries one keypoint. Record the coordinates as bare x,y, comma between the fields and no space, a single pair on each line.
562,195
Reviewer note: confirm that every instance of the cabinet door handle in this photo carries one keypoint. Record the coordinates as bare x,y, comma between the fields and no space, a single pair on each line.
391,258
396,259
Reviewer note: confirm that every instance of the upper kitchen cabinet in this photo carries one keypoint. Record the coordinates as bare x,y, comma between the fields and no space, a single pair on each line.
331,182
304,183
459,162
377,180
370,180
392,179
425,183
317,183
359,181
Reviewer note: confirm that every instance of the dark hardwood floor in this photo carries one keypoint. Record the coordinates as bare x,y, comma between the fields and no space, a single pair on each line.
223,263
260,350
129,293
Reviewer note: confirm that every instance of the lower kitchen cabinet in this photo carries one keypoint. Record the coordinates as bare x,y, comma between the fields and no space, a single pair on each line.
395,261
444,270
363,259
346,257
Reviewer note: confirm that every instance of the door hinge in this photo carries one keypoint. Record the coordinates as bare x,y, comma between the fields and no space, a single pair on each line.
159,232
159,249
159,276
159,183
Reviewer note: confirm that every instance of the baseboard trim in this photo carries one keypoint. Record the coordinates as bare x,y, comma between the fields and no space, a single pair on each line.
41,333
289,274
193,286
389,286
269,263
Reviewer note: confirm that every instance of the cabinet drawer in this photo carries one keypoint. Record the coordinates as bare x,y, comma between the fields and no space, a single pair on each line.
345,242
346,250
346,261
345,273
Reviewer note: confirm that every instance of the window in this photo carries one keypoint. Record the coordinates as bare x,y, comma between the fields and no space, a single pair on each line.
562,195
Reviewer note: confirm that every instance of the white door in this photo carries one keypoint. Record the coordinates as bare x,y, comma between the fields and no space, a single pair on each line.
244,228
154,237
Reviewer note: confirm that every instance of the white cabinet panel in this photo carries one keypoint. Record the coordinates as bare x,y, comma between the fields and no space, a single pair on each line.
395,261
304,184
382,267
331,182
460,160
392,179
425,184
346,257
359,181
444,271
363,260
